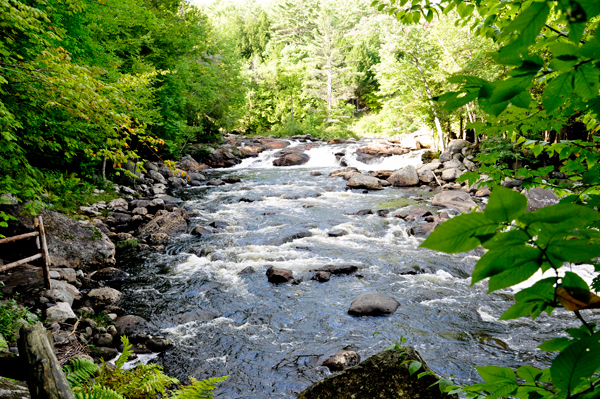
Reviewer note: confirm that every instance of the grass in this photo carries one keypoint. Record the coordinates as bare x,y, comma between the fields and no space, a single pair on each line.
12,317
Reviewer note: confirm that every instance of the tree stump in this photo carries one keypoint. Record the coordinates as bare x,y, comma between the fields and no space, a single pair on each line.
45,377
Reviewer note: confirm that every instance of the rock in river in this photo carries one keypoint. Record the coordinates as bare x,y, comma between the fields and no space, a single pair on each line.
383,375
373,304
362,181
407,176
454,199
279,276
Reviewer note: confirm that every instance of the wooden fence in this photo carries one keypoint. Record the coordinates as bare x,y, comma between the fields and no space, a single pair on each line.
40,235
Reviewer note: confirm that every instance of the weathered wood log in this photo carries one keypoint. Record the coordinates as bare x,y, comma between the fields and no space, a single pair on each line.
12,366
20,262
19,237
45,377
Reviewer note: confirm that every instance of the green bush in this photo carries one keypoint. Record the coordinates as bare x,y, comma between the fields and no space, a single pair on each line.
12,317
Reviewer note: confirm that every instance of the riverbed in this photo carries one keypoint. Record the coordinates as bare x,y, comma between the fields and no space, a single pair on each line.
268,338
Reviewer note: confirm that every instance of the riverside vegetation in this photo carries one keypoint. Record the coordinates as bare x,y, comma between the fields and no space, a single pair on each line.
87,87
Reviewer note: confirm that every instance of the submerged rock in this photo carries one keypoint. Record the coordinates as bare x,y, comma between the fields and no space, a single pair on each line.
338,269
384,375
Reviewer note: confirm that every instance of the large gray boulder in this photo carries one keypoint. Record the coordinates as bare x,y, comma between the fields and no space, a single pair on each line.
539,198
60,313
366,182
407,176
131,325
75,244
383,375
104,296
456,146
454,199
170,223
373,304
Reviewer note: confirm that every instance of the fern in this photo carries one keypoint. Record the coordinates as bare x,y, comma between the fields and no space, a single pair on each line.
198,389
97,391
125,354
81,371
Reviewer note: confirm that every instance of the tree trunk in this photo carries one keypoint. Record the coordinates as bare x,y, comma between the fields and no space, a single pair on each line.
329,79
45,377
293,122
439,143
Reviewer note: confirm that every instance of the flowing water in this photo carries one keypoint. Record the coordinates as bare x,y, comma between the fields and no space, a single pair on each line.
268,337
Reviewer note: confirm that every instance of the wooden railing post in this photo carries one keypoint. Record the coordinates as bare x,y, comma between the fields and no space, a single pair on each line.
45,377
45,255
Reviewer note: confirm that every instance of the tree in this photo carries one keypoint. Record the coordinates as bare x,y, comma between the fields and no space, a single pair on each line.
550,51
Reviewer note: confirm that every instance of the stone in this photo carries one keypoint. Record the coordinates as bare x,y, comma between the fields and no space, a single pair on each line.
176,182
296,236
151,166
140,211
373,304
109,274
383,375
445,156
104,296
454,199
419,213
216,183
315,173
425,175
157,177
341,360
454,164
291,159
469,165
540,198
218,225
61,285
366,182
483,192
104,340
159,239
407,176
56,296
67,274
200,231
279,276
131,325
342,172
196,177
189,164
247,270
423,230
337,233
321,276
118,205
456,146
104,353
89,211
74,244
451,174
61,313
338,269
170,223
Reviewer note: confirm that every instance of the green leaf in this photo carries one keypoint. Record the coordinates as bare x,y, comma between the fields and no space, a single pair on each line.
519,273
557,91
575,364
505,205
574,216
464,9
555,344
459,234
586,81
575,249
414,367
500,381
533,300
529,374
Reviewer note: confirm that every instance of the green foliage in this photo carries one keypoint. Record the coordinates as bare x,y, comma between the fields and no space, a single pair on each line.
80,372
12,317
518,244
145,381
199,389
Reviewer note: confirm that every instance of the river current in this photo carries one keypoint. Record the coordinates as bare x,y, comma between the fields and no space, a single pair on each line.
268,338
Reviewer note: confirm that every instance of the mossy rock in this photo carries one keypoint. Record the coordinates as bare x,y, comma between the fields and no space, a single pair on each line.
383,375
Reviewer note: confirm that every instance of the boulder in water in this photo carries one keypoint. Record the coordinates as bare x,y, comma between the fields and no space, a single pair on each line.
279,276
321,277
407,176
362,181
383,375
454,199
373,304
291,159
341,360
338,269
